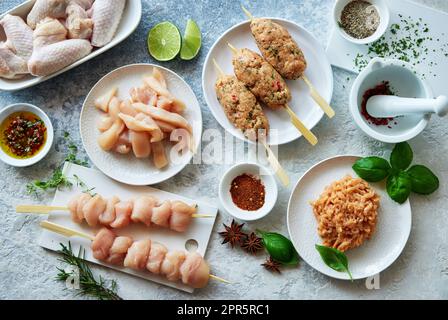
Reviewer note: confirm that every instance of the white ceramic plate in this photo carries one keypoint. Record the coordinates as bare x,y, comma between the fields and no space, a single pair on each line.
318,71
127,168
129,21
376,254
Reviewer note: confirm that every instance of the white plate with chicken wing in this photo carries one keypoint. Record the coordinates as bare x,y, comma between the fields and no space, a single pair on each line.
79,50
125,166
318,71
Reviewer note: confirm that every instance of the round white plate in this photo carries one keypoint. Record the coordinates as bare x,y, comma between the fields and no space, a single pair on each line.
318,71
127,168
376,254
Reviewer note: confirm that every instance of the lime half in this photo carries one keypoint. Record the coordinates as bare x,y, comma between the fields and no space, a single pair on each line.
191,43
164,41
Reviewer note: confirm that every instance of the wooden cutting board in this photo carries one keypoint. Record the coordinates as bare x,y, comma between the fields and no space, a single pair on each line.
200,229
434,69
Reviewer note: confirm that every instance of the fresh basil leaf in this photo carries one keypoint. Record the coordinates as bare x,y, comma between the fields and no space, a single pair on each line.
372,169
401,157
399,187
280,248
423,180
334,258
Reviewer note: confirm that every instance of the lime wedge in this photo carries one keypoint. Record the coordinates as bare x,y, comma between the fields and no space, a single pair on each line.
164,41
191,43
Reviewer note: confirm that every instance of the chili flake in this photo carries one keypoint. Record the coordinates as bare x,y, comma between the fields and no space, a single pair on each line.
381,89
248,192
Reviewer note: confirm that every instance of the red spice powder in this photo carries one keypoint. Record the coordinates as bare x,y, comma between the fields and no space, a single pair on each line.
381,89
247,192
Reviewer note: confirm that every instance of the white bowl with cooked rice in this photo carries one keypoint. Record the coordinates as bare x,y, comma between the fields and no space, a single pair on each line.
371,247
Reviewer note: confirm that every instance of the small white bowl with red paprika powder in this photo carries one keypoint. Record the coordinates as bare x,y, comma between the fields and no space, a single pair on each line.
248,191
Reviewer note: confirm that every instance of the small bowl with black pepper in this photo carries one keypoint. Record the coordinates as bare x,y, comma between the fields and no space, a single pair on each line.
361,21
26,134
248,191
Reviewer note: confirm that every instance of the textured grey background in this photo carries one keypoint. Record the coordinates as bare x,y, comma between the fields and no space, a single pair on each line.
27,271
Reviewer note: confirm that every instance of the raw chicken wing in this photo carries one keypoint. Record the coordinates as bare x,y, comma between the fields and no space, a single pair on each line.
11,66
19,36
47,32
137,255
46,8
79,25
106,16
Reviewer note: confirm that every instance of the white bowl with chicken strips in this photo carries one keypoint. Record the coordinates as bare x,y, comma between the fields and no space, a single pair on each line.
140,124
44,41
281,129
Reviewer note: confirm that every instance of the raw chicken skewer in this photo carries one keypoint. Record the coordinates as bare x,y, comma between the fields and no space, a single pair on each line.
261,88
116,214
240,96
147,255
289,60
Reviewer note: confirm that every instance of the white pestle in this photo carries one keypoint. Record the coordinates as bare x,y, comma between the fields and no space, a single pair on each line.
383,106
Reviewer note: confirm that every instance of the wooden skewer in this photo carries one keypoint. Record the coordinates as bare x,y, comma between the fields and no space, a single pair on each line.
273,161
41,209
67,232
307,134
313,92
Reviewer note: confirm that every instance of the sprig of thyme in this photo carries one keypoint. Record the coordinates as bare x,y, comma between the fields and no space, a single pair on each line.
88,285
58,179
84,186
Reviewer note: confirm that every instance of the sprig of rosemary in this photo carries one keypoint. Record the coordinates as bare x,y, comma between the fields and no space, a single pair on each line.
58,179
88,284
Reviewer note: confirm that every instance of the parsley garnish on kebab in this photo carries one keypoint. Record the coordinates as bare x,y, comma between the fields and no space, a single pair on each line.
58,179
88,285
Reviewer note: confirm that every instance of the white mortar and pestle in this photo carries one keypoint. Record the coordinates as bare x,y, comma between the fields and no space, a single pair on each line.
411,106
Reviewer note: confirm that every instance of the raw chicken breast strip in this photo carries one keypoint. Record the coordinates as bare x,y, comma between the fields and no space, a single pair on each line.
46,8
156,256
171,265
106,16
163,115
138,254
19,36
102,243
119,249
141,146
195,271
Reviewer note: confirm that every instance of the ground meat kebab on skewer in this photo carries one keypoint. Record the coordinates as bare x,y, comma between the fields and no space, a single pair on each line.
267,85
243,110
284,54
241,107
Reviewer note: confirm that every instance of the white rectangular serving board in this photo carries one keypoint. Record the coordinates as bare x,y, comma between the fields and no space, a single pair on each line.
199,230
342,53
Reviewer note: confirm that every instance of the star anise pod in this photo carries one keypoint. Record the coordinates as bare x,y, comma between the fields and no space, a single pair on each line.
252,243
233,234
272,265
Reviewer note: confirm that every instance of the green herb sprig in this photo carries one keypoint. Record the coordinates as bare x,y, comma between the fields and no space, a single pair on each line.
279,248
58,179
335,259
88,285
401,181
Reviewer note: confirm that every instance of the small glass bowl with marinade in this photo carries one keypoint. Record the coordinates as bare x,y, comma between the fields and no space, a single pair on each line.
26,134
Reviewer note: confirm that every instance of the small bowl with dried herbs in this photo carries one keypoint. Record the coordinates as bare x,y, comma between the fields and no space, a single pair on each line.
361,21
